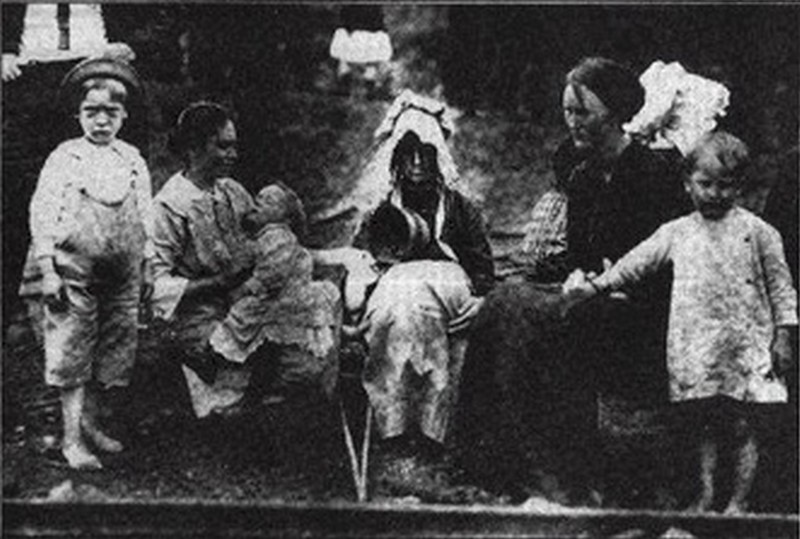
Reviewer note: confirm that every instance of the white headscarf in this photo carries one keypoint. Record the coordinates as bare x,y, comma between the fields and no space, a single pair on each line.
431,121
680,107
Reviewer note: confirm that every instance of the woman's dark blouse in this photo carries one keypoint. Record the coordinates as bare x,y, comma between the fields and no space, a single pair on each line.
606,218
531,374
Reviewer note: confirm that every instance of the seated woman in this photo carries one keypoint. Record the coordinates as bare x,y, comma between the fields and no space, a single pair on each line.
428,292
531,376
204,263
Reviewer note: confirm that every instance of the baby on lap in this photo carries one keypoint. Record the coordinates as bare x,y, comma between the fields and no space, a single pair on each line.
280,302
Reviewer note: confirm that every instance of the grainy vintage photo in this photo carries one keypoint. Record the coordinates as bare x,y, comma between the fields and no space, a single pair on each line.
462,269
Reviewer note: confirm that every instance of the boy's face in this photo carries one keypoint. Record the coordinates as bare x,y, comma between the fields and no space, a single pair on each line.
712,188
100,116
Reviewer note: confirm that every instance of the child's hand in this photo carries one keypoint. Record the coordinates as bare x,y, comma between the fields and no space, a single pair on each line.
781,350
577,287
53,290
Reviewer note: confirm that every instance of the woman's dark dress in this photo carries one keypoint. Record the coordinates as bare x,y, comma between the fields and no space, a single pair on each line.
528,400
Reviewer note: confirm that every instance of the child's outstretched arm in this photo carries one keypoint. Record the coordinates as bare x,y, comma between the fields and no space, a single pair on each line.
578,287
644,259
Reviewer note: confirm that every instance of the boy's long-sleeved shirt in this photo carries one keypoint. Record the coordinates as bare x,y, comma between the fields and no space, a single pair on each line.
731,289
106,173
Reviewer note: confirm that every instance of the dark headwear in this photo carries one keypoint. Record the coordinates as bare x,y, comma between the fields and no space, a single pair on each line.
616,85
103,67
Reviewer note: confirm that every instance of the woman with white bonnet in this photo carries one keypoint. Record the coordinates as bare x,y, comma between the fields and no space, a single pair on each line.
430,244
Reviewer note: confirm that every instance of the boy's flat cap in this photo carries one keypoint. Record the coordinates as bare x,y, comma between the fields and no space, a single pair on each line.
102,67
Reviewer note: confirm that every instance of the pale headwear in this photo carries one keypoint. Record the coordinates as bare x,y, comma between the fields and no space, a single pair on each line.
429,119
680,107
410,112
432,122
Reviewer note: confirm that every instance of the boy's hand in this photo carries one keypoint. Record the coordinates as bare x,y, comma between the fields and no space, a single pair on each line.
616,294
781,350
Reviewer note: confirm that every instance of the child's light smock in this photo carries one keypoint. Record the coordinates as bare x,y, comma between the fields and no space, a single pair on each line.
283,305
731,289
92,213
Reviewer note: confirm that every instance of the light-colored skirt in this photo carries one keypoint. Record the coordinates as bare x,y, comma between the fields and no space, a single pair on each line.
417,316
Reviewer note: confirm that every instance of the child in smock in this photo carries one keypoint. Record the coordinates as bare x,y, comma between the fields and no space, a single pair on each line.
91,242
732,304
281,303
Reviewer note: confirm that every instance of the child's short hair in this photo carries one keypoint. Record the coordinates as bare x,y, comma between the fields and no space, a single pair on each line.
730,151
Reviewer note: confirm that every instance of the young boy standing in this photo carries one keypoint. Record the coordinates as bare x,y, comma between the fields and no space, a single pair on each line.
91,241
732,305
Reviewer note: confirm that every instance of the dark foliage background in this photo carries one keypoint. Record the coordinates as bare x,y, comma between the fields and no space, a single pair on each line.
509,58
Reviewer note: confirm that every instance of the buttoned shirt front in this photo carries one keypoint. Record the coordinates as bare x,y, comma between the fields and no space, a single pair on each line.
104,173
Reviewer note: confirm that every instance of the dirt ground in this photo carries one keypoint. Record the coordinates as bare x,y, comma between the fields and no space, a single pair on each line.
294,450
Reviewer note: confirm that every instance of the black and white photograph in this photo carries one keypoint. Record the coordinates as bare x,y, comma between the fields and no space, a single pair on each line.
458,269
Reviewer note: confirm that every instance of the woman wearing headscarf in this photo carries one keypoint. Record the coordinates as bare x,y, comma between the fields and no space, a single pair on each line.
534,366
429,240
